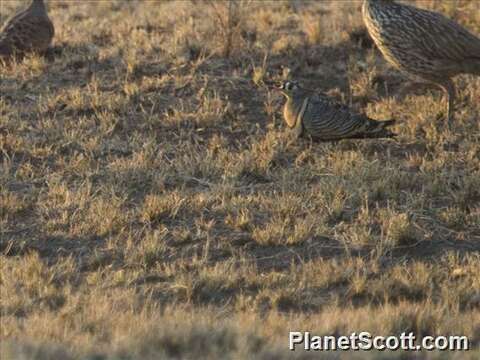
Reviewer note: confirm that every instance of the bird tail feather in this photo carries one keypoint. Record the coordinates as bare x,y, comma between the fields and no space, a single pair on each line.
378,129
473,66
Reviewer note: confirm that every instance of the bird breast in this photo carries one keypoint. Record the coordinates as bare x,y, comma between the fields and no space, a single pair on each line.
291,111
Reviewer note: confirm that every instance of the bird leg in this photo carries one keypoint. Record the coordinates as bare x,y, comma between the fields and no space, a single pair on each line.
298,129
446,85
411,86
449,89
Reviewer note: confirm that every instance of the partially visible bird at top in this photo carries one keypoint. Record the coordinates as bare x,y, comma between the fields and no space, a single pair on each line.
323,119
425,45
30,30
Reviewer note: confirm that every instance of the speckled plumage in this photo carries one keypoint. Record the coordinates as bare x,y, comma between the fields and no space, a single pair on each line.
423,44
323,119
30,30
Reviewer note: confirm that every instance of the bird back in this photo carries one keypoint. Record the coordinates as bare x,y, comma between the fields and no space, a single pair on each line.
326,119
420,42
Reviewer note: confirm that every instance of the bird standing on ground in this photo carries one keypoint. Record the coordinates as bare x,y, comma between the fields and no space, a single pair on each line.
323,119
423,44
31,30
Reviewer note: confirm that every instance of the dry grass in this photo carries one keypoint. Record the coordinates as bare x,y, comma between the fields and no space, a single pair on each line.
153,206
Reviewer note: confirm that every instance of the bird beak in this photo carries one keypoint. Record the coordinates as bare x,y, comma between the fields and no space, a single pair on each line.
271,85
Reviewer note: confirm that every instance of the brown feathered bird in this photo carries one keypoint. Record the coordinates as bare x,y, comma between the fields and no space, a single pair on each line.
323,119
423,44
30,30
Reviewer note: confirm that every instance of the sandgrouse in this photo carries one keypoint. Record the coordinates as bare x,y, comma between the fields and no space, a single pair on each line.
323,119
425,45
30,30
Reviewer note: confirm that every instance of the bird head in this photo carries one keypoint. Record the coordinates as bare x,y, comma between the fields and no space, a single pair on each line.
289,88
37,4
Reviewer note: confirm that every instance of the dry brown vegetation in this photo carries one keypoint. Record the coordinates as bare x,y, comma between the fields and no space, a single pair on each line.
153,205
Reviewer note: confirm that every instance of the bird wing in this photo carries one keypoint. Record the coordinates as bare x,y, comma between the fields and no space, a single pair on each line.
328,119
13,20
437,35
455,41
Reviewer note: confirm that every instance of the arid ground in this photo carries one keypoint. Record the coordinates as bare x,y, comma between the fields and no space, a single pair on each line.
153,204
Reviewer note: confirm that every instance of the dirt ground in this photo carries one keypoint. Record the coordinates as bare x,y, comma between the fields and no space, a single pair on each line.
153,204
